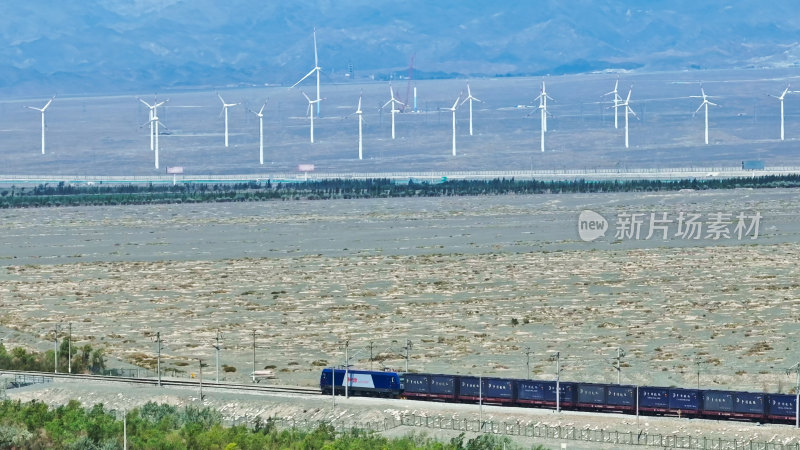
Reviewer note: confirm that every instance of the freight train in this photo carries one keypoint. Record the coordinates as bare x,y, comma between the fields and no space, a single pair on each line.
647,400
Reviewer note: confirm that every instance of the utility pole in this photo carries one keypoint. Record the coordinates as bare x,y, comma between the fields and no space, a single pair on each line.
158,359
254,356
200,361
346,368
407,347
69,349
528,362
217,347
557,359
796,368
697,362
124,430
480,403
620,354
371,346
56,329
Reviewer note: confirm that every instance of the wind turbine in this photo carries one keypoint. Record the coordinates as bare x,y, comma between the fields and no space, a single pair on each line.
316,69
543,106
42,110
311,112
360,120
260,115
704,104
393,101
453,110
628,110
225,107
470,98
153,112
617,100
782,96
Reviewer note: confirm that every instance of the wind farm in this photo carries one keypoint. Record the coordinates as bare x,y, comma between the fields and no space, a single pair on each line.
95,136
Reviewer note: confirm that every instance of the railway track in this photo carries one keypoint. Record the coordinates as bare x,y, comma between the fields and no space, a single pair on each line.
299,390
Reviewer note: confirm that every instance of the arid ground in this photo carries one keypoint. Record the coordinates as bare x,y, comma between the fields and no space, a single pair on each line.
470,281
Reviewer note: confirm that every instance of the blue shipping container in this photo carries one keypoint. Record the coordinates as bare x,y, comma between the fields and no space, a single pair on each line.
782,405
501,388
748,403
684,399
443,384
718,401
594,394
531,390
469,387
621,396
416,383
567,392
656,398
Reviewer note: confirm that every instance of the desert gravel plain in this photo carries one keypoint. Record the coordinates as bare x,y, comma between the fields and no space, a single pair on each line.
470,281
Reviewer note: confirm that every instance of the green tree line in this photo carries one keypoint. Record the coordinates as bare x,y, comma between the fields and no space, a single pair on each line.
85,359
34,425
62,194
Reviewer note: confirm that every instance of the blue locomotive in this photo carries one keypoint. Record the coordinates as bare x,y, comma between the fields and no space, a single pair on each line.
361,382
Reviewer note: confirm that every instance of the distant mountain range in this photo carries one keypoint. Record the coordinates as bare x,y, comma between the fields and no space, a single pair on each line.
108,46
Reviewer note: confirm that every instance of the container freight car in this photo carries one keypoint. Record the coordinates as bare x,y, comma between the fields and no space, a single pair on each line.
781,408
444,387
416,385
684,402
361,382
429,386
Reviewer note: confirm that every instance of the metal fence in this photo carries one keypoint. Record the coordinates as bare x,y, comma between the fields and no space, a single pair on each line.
602,436
532,431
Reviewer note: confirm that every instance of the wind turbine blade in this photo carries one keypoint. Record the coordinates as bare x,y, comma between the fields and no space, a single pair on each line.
306,96
386,104
699,108
316,61
712,104
358,109
456,103
630,110
261,111
220,98
146,104
629,96
307,75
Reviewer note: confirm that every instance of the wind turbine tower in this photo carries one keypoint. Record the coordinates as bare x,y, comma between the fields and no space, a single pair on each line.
360,114
225,107
628,110
704,105
617,101
453,110
392,101
543,110
42,110
782,96
470,98
316,69
154,122
260,115
311,112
